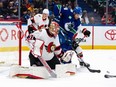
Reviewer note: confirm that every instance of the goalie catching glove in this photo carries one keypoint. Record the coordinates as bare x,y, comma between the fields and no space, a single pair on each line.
67,56
86,32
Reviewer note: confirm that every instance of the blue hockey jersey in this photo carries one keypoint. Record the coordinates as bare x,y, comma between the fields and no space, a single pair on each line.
66,38
66,15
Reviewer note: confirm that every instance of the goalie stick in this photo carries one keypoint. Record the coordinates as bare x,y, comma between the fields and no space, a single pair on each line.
109,76
53,74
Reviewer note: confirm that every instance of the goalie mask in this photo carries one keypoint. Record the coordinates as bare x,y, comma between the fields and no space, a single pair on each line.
54,28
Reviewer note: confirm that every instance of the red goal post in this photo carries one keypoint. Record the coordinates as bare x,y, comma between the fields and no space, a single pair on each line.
10,35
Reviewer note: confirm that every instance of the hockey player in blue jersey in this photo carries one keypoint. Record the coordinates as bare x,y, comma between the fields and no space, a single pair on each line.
57,10
66,15
68,34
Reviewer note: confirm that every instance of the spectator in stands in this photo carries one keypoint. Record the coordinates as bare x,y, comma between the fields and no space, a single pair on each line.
4,2
73,3
26,15
92,20
39,3
9,8
109,20
30,1
85,18
31,7
50,5
2,10
114,15
103,19
112,3
36,10
12,10
1,17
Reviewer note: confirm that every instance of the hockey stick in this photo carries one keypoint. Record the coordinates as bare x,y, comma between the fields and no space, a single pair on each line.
109,76
91,70
47,67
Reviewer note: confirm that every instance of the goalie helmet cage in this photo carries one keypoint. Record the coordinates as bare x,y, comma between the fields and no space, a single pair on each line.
18,26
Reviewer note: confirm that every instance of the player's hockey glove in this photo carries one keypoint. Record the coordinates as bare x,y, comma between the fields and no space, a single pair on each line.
86,32
67,56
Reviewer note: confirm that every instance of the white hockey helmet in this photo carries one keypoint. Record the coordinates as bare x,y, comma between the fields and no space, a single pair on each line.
45,11
54,28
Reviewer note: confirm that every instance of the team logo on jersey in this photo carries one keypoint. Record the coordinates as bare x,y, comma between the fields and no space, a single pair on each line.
51,47
111,34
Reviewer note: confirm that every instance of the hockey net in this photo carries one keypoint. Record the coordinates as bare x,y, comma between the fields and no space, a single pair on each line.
10,42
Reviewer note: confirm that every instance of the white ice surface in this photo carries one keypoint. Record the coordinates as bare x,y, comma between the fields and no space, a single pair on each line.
105,60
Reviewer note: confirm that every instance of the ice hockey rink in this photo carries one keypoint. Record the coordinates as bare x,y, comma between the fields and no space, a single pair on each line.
105,60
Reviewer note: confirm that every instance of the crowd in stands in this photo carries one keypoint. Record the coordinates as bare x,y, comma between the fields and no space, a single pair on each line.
86,19
9,9
99,7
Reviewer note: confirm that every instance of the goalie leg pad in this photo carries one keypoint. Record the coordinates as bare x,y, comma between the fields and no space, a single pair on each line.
25,72
65,70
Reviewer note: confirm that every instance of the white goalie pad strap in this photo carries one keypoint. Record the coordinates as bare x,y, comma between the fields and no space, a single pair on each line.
67,55
33,72
65,70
